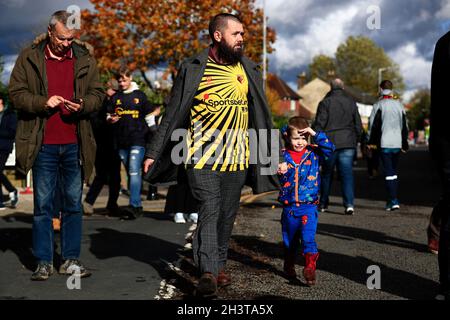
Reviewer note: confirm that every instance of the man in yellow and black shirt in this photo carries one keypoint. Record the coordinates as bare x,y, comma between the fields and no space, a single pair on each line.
217,96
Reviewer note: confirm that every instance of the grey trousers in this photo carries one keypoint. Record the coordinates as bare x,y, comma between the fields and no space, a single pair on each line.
218,194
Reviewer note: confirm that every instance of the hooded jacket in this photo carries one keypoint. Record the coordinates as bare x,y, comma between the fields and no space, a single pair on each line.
301,183
28,90
177,116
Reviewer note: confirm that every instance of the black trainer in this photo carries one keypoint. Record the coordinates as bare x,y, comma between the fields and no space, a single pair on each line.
74,266
131,213
43,271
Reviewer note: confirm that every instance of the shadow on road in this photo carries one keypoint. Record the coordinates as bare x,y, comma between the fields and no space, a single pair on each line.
18,240
397,282
109,243
350,233
418,180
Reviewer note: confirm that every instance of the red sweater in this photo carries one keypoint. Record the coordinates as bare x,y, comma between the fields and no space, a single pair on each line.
296,155
60,128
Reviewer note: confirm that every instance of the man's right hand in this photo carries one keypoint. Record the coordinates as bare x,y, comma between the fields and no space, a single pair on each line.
54,101
147,164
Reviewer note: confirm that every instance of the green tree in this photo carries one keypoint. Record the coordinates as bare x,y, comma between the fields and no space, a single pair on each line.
419,110
358,61
321,66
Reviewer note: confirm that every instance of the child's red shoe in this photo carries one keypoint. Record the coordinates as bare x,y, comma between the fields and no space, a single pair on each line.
309,272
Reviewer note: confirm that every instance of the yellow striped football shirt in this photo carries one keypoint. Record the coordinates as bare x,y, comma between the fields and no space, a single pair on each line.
218,136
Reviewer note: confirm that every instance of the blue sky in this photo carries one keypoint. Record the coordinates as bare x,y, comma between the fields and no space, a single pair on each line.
408,32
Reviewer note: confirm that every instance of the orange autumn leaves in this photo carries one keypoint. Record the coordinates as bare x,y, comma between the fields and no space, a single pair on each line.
143,33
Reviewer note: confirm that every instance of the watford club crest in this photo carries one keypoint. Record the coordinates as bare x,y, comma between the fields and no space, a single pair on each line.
240,78
136,100
118,102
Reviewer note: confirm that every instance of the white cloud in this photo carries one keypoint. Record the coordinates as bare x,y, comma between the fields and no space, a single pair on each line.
444,13
407,95
323,36
416,70
9,61
287,11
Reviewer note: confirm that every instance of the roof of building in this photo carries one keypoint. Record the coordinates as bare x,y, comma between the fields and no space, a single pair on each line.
315,90
281,88
312,93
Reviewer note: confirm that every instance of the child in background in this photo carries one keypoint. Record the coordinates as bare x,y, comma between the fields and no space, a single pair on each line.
300,185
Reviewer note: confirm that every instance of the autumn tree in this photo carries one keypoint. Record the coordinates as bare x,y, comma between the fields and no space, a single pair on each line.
144,33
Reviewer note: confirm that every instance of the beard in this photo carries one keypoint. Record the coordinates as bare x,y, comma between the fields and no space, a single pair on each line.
229,54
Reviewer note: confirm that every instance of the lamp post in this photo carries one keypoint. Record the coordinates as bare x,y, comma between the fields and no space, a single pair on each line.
380,71
264,45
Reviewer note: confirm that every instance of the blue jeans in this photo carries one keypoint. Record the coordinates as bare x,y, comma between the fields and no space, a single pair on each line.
343,158
51,160
132,158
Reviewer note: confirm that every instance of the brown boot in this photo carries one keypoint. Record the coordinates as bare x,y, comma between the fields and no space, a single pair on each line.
309,272
207,285
223,279
289,264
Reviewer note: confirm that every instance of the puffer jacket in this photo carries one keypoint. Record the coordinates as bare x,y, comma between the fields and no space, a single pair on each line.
301,183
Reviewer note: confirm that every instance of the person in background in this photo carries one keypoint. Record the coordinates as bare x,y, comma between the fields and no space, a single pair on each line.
127,113
388,132
439,146
153,120
8,125
107,160
338,116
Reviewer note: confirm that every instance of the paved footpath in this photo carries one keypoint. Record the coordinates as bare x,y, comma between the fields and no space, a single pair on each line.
147,258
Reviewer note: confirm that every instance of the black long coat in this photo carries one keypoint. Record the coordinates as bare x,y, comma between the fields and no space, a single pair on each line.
439,141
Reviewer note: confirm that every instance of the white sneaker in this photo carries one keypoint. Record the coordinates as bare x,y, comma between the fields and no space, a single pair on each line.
440,297
349,211
179,217
193,217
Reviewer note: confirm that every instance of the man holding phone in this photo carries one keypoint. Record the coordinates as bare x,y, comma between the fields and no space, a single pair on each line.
54,86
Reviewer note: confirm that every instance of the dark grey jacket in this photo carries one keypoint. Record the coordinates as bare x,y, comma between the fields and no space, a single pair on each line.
177,115
337,115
